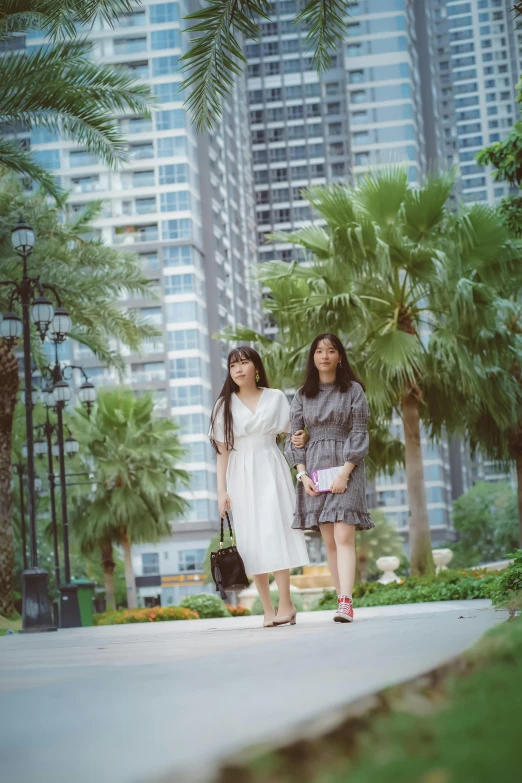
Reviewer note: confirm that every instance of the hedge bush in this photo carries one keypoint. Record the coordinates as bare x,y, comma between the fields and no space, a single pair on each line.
445,586
238,611
206,605
155,614
257,607
507,590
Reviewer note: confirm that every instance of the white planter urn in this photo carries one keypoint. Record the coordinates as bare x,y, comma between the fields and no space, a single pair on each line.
441,558
388,566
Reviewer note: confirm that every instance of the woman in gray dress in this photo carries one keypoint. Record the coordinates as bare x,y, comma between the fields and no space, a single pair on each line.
332,406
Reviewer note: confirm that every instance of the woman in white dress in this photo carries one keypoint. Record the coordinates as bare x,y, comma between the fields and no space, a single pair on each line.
254,480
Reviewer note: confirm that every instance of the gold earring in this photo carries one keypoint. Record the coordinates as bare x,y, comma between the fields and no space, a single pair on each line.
257,377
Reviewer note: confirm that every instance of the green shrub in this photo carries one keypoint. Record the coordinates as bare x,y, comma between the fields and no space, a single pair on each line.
155,614
507,589
445,586
257,608
206,605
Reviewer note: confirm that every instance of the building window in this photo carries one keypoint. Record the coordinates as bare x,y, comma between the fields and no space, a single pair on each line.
184,339
169,119
164,39
145,206
50,159
78,157
141,151
175,201
180,284
193,423
182,312
179,255
173,174
161,66
148,372
167,92
183,396
172,146
143,178
164,12
177,228
191,559
130,45
150,563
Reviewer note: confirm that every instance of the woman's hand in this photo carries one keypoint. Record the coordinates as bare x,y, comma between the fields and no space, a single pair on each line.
300,438
339,484
309,486
224,503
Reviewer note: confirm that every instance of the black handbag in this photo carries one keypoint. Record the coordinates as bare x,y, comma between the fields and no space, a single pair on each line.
226,565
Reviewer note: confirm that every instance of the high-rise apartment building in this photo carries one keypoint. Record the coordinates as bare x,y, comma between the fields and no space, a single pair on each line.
379,103
184,204
484,59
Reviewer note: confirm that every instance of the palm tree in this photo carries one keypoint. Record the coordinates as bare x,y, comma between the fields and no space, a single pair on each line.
91,279
57,86
392,270
216,56
136,458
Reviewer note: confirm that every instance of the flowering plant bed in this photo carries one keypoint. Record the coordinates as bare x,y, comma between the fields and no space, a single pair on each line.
155,614
238,611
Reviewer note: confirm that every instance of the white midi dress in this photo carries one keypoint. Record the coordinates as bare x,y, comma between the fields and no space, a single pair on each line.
260,487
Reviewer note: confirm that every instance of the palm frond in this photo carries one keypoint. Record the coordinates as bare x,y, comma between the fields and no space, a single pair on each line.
325,22
314,238
60,89
59,18
381,195
424,208
397,356
215,56
13,157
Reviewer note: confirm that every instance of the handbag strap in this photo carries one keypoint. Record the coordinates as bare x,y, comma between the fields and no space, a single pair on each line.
221,539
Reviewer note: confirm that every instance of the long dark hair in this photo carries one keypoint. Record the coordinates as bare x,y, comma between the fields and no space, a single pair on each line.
343,376
224,400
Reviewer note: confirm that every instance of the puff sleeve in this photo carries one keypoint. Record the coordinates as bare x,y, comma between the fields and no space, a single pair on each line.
294,455
217,431
358,442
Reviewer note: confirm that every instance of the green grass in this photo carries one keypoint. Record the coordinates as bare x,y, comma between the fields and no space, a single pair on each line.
13,623
459,725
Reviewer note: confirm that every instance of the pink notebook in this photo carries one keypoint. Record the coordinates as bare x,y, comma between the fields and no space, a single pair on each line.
323,478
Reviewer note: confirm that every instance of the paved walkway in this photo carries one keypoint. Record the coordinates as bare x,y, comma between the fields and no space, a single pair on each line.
143,703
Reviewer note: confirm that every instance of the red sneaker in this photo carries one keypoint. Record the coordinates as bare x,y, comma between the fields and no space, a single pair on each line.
344,613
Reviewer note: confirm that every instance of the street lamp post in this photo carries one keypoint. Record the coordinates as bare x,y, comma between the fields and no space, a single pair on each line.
57,397
48,429
36,606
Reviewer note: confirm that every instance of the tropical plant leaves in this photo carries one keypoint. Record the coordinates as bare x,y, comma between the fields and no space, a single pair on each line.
215,56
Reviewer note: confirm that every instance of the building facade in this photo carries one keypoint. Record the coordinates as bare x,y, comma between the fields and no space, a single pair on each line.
484,59
379,103
184,204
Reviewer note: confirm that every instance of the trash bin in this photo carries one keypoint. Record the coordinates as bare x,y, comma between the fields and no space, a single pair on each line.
85,596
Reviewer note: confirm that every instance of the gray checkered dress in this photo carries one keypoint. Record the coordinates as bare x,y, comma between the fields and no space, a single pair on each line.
337,423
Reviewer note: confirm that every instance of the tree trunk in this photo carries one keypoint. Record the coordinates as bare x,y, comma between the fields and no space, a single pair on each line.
108,566
518,462
132,598
421,558
9,381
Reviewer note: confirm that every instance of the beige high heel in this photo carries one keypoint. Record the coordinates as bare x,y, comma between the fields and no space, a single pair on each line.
269,625
291,619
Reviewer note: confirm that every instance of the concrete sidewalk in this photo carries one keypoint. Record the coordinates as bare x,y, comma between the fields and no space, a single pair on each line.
129,704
